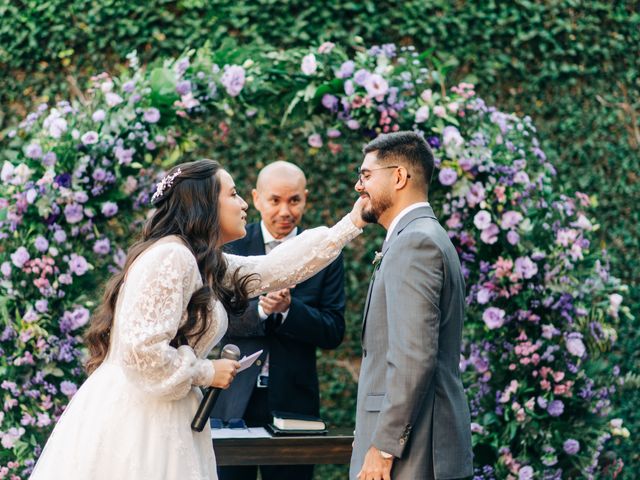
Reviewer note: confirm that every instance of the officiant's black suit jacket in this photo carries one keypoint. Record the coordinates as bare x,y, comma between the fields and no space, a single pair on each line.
315,319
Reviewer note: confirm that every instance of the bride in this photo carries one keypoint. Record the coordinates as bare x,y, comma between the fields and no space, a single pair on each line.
159,318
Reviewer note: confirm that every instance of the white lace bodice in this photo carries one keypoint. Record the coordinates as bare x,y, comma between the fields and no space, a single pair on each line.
152,305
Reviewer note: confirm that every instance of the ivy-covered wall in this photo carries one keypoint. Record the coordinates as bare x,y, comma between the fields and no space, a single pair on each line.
571,65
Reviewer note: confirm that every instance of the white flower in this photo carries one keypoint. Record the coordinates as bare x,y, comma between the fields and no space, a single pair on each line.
113,99
7,171
309,64
106,86
55,123
422,114
482,219
439,111
21,174
376,86
426,95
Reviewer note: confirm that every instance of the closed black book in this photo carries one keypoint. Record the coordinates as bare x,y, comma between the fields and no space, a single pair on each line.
294,421
276,432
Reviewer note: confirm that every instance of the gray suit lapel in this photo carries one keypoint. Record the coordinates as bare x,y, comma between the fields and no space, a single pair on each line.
421,212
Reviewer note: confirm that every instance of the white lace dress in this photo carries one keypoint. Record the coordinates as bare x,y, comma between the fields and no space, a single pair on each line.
131,419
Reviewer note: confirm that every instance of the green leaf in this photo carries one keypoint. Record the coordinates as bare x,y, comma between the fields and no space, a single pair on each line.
163,87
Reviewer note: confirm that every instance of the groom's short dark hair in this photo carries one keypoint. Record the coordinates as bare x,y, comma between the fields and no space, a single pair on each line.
407,148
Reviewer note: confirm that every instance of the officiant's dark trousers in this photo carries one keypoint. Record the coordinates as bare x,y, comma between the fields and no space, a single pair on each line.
257,415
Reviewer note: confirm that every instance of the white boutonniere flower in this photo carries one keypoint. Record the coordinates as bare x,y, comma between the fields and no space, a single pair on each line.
377,258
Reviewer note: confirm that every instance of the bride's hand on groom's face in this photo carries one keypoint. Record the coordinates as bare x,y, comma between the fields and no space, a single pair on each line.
356,213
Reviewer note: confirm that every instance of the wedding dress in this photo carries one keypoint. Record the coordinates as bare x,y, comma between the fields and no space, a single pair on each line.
131,419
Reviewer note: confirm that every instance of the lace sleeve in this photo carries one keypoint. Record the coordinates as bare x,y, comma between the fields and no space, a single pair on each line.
158,289
295,260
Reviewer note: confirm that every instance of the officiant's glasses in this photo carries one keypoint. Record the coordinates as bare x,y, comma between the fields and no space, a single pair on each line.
365,173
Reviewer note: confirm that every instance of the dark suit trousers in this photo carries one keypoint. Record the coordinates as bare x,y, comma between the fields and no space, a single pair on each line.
258,415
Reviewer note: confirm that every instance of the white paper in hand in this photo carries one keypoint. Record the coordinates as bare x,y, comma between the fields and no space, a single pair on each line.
246,362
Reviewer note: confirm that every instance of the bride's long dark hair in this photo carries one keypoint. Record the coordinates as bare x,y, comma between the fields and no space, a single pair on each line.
187,209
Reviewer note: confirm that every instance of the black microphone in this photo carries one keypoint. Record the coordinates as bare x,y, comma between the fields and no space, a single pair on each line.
230,352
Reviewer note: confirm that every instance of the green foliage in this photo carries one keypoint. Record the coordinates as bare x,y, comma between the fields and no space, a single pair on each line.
571,65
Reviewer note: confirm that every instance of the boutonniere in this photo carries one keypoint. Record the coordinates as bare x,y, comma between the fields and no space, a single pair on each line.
377,258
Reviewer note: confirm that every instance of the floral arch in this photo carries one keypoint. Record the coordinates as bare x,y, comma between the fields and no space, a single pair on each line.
542,306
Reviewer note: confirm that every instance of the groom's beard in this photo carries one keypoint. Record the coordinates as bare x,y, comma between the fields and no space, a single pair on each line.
376,208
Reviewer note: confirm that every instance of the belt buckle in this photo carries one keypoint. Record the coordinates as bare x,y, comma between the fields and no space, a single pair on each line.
262,381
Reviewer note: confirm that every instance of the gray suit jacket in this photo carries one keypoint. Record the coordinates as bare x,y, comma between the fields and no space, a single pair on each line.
411,402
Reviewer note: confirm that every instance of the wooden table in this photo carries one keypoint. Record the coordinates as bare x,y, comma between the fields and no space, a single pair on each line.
332,448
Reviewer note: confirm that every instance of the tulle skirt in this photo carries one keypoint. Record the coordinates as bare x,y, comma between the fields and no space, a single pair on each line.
113,430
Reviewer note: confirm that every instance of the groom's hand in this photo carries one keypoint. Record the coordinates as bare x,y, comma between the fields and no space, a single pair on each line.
356,214
375,467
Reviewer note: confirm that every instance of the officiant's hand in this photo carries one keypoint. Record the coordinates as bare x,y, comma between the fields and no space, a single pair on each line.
276,302
225,372
356,214
375,467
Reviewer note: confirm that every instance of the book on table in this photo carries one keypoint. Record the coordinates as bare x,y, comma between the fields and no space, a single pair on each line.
287,422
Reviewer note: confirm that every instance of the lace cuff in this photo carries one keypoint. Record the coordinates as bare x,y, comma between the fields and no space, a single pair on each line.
295,260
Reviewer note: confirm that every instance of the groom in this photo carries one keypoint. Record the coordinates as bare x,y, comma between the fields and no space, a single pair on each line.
412,420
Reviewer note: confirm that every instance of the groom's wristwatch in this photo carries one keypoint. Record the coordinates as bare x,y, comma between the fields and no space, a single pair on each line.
385,455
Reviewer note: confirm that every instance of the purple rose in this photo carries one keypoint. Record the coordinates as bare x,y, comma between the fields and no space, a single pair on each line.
512,237
102,246
360,77
483,296
183,87
98,116
451,137
333,133
33,151
349,89
109,209
353,124
575,345
20,257
41,244
42,305
376,86
490,234
422,114
330,102
556,408
49,159
90,138
124,155
482,219
315,140
493,317
73,213
60,236
68,388
571,446
510,219
5,268
526,267
346,69
447,176
525,473
233,79
129,86
78,264
521,178
151,115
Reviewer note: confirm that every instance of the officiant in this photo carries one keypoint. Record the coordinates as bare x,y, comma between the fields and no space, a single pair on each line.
288,324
